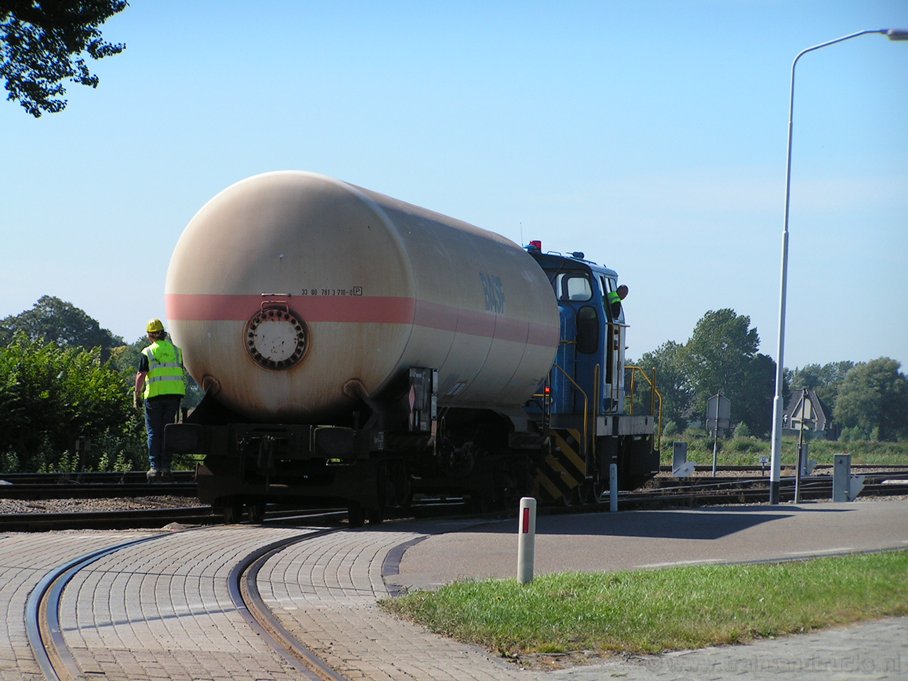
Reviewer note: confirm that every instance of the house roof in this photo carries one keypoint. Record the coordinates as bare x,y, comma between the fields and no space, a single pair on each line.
814,413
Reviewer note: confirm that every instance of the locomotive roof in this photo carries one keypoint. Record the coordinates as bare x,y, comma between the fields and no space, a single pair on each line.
553,260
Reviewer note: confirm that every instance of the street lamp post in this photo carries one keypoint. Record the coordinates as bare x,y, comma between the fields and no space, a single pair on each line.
777,406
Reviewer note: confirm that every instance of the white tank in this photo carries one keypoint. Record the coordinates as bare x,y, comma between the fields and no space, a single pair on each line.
288,287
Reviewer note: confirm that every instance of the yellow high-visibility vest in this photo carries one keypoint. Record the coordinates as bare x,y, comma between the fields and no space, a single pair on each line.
165,370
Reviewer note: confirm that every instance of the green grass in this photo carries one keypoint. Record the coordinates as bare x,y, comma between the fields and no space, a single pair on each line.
651,611
746,451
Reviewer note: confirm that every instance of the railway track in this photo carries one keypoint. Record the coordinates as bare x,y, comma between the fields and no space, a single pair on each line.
93,485
42,615
664,493
702,491
244,593
59,661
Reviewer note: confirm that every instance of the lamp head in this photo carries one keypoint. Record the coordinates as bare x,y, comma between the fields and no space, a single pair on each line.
897,34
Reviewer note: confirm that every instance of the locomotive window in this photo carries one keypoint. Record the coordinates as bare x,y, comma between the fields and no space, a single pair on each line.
608,285
573,286
587,330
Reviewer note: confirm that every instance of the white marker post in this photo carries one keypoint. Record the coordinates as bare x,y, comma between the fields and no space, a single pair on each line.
526,540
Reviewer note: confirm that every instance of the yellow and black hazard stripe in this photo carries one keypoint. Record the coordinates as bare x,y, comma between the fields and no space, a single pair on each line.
564,468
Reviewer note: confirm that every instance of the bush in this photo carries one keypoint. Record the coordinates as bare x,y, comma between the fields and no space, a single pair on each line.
742,430
745,445
51,397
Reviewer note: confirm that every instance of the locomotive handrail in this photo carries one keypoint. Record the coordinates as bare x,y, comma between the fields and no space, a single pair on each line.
586,403
597,377
654,395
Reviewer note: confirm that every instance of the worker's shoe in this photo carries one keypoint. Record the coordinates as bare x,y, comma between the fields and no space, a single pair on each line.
152,475
165,475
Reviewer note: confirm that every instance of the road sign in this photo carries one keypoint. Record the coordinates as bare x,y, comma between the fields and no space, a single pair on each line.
718,413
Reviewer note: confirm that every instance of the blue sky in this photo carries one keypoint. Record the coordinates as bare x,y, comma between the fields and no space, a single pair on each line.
649,134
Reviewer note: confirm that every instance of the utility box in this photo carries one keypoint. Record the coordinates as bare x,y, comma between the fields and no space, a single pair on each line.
681,467
845,486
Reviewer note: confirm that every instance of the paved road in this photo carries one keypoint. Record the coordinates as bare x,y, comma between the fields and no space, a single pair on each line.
645,539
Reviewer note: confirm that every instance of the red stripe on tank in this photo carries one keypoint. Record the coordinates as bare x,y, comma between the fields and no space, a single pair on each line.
363,309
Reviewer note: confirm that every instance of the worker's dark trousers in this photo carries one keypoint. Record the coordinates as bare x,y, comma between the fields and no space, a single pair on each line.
159,411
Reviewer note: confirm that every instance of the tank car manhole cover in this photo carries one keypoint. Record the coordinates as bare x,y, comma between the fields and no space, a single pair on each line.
275,338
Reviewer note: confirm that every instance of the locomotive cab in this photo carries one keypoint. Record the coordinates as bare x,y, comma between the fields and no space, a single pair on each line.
591,412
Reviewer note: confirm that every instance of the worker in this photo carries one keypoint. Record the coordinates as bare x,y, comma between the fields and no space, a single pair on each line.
161,384
614,299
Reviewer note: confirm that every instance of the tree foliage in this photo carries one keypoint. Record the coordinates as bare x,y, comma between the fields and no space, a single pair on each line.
667,362
720,357
51,396
61,323
44,44
66,381
873,401
719,352
825,380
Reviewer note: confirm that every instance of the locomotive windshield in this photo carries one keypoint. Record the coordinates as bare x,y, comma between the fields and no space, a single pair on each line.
573,286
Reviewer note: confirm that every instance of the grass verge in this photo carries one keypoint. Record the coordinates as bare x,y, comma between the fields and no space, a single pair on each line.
652,611
747,451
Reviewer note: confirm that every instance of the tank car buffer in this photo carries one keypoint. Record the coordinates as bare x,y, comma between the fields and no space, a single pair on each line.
355,349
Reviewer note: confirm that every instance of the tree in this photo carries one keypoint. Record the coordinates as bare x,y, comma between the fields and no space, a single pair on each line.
61,323
756,394
721,356
873,400
42,45
825,380
126,357
667,362
50,397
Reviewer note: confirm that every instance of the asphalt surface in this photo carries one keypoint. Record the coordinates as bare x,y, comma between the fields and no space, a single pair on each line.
646,539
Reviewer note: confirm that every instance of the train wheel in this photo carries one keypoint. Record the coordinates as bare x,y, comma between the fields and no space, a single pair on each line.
478,503
356,515
255,512
591,492
231,507
572,498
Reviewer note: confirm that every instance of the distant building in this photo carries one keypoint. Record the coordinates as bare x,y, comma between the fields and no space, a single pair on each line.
809,409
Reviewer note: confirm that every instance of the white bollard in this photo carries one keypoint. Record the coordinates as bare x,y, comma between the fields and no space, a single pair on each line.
613,487
526,540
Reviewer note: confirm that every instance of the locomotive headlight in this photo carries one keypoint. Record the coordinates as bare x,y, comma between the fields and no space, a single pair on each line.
275,338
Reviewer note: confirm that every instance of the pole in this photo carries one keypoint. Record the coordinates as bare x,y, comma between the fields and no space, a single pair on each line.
777,403
800,447
715,446
526,540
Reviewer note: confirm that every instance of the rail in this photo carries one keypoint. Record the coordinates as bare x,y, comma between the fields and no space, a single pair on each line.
655,396
586,405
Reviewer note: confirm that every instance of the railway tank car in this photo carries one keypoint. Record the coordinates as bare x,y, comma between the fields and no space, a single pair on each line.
356,348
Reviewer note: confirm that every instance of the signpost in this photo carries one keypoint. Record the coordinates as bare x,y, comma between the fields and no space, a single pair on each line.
805,420
718,413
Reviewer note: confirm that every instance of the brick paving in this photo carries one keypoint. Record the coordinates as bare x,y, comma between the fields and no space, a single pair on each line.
324,591
24,560
162,610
